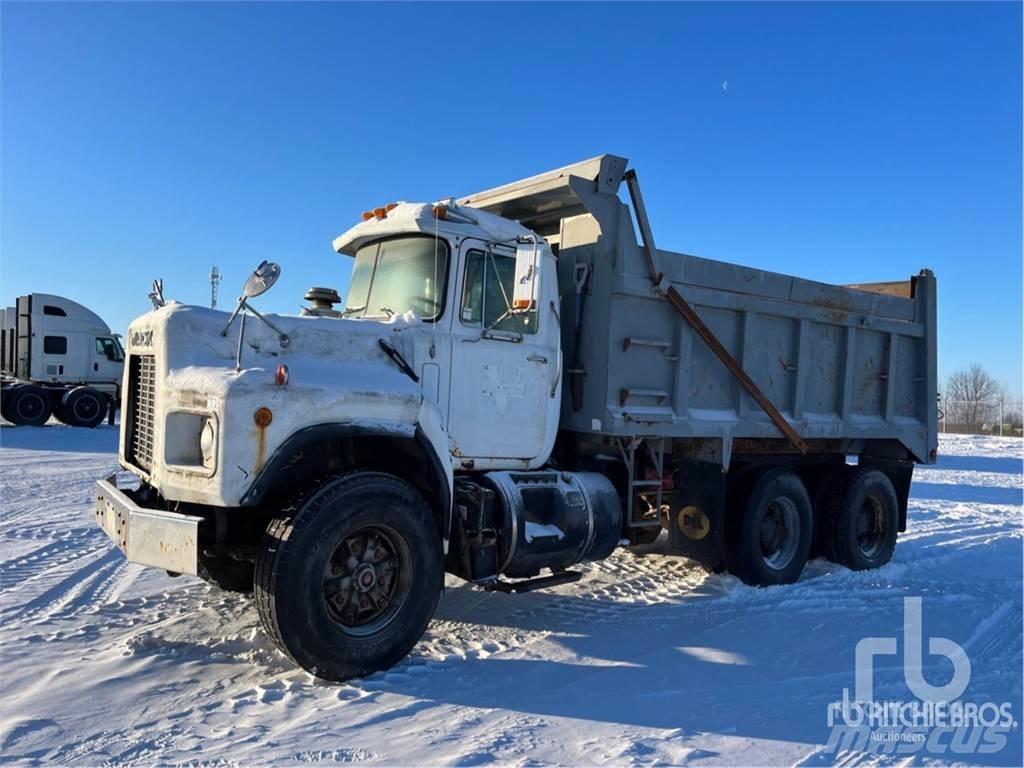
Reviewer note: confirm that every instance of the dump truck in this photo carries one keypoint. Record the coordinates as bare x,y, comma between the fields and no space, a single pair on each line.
58,358
518,382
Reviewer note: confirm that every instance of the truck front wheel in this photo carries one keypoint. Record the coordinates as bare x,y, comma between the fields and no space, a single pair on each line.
348,579
768,532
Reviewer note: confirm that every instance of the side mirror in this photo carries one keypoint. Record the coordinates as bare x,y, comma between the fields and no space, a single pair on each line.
261,280
524,290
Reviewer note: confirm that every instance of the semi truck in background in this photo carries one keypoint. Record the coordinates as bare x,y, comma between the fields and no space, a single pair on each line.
58,358
516,383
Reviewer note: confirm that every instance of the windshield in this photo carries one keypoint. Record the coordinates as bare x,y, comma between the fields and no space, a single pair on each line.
391,277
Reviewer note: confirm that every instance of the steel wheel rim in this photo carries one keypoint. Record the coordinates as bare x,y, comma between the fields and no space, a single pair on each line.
35,406
367,579
779,533
870,528
89,404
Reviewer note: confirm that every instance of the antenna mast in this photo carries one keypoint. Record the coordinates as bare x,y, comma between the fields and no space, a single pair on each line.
215,278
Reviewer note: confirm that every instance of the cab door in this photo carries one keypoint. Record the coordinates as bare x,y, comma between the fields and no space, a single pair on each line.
504,366
107,363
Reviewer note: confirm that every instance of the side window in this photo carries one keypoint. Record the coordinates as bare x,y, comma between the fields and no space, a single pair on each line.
49,309
487,294
108,348
55,345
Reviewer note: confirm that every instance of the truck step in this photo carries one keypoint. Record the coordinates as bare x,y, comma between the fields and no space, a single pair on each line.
529,585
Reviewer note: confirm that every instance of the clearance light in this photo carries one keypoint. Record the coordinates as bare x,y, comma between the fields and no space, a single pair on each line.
390,207
367,215
379,213
440,211
281,377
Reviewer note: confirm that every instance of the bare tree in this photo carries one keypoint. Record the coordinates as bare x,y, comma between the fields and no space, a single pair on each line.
971,393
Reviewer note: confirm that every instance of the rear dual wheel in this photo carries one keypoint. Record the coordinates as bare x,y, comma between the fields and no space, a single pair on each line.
347,580
82,407
860,518
769,529
26,405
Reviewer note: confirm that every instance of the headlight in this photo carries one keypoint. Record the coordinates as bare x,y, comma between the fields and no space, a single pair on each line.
190,442
208,443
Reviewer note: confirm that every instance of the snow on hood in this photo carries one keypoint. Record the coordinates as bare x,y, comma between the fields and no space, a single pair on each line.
198,358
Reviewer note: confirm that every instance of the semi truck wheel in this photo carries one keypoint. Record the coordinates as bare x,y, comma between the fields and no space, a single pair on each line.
862,514
348,579
83,407
6,398
768,533
29,406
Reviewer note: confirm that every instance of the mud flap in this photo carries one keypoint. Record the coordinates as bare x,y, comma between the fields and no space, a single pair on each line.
697,527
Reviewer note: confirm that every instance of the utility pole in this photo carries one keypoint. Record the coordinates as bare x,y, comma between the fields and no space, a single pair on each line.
215,278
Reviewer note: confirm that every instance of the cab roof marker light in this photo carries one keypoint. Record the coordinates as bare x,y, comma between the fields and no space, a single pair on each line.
367,215
379,213
450,211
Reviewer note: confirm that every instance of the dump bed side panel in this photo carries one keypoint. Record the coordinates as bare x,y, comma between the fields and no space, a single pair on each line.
837,362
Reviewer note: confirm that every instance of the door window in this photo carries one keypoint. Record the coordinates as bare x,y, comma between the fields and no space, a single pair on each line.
487,294
108,348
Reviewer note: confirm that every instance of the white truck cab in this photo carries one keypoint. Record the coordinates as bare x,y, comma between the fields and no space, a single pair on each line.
58,357
483,362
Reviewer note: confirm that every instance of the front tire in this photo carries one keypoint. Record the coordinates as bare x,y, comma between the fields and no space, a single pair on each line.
347,581
769,530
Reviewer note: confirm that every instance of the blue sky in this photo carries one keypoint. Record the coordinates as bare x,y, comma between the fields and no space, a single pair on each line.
853,142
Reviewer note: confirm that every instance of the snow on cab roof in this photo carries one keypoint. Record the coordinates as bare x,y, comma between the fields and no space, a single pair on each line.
419,217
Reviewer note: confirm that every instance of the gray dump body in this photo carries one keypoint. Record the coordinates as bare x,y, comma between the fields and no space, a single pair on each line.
843,365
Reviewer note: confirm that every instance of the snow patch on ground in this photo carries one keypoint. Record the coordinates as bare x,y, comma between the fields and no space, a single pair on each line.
647,660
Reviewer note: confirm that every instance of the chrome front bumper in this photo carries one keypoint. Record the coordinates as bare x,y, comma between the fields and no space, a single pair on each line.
152,537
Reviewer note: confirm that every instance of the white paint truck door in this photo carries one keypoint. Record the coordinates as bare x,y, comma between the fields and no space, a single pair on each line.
502,365
106,362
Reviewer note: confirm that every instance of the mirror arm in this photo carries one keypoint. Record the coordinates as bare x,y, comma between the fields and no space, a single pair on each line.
282,337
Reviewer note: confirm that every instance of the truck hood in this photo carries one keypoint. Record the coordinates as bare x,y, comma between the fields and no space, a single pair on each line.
338,372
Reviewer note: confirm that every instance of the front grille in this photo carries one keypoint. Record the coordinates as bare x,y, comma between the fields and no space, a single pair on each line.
142,410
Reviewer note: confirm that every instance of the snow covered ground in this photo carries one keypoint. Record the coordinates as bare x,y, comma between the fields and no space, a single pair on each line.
647,660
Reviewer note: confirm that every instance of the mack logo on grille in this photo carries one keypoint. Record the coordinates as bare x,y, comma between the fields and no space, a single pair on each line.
141,339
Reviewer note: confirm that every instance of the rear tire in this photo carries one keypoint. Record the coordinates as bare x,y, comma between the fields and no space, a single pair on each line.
863,516
347,580
83,407
6,398
28,406
768,532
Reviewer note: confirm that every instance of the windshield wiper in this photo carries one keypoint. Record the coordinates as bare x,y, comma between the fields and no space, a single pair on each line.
350,310
390,312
